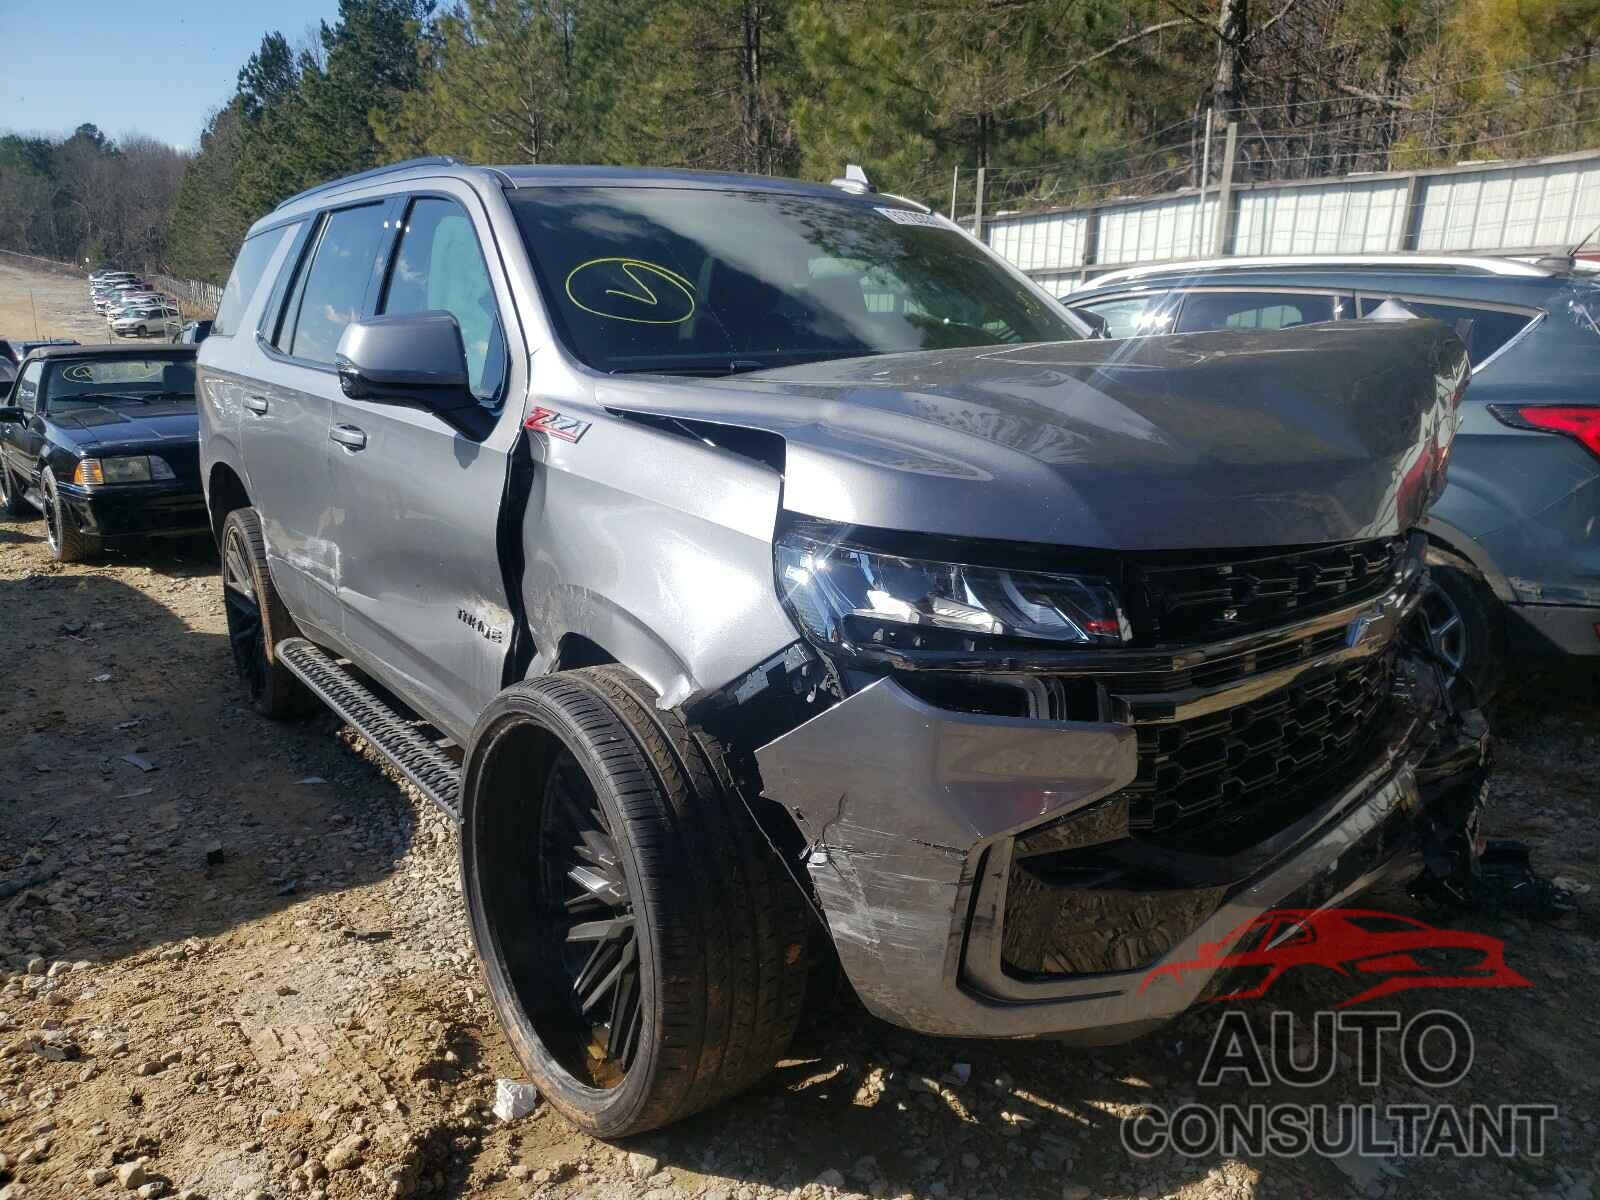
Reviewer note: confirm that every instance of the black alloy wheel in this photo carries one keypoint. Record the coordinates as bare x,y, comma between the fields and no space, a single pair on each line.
642,944
67,542
258,620
589,929
246,636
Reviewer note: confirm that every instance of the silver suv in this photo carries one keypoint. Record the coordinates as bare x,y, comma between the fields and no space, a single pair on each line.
763,573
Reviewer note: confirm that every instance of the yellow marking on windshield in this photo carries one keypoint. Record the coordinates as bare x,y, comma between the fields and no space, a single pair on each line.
637,270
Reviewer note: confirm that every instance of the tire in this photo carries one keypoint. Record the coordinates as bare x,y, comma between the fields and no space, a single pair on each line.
258,620
68,543
11,502
1466,628
696,926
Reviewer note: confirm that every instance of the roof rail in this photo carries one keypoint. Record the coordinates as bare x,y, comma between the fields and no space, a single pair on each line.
1401,261
432,160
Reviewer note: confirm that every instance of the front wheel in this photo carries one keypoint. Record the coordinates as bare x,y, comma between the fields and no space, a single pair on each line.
642,944
68,543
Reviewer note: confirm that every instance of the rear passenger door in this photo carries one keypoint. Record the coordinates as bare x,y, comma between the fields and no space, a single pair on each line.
424,598
284,429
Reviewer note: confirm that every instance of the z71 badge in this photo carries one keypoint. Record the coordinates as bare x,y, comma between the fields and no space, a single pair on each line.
548,420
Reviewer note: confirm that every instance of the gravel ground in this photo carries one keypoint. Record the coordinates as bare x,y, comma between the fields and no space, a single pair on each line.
234,963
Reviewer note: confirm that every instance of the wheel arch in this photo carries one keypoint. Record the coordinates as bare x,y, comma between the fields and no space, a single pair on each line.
225,492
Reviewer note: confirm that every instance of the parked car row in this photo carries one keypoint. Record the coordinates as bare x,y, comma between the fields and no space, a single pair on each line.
798,580
133,308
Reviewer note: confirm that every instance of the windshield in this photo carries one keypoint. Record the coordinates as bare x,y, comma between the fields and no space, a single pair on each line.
93,383
714,282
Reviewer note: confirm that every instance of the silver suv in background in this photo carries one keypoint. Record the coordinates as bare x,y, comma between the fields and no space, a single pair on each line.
794,578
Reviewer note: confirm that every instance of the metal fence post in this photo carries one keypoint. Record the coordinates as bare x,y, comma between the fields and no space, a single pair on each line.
977,215
955,182
1230,152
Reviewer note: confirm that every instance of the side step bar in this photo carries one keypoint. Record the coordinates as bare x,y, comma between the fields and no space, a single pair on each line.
428,768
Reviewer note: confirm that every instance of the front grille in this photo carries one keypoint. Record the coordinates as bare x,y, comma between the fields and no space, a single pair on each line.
1216,772
1183,600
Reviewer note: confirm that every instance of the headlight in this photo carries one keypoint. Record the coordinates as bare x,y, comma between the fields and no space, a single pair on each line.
849,597
127,468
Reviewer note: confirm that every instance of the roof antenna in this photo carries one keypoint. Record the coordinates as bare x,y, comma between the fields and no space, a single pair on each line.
855,181
1569,260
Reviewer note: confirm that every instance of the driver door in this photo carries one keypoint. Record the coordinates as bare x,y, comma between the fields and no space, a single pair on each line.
22,442
421,588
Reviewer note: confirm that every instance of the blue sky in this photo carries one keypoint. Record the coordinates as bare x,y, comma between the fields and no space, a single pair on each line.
130,66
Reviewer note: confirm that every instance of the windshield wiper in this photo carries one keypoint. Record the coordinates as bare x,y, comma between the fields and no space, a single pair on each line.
107,396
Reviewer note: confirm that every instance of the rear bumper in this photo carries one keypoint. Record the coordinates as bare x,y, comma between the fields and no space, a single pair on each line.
138,510
917,818
1552,631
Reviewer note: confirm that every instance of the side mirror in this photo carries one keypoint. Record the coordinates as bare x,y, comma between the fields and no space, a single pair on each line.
409,358
10,412
1096,323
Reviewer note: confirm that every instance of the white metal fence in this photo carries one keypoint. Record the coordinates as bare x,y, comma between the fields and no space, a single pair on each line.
1533,206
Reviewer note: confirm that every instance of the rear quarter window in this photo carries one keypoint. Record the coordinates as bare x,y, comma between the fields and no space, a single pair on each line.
245,278
1484,330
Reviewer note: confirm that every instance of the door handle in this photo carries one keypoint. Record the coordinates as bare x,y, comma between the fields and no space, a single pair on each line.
256,404
348,436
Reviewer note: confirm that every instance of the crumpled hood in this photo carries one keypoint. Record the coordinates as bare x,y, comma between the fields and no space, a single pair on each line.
1323,433
127,426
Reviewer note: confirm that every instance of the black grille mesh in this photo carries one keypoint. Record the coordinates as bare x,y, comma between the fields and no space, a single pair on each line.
1218,769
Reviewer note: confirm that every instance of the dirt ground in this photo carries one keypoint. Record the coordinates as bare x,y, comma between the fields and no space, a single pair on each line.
234,963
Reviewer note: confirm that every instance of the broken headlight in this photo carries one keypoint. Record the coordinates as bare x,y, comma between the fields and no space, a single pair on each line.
845,596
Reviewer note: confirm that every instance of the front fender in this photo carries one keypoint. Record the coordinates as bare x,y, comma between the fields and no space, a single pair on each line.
658,549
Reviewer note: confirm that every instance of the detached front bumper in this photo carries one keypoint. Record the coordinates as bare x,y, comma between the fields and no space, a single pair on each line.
980,878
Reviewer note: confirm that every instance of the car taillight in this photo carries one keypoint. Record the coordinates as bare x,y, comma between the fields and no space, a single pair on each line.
1578,421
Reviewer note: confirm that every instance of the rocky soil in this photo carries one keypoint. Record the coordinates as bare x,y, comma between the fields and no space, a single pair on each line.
234,964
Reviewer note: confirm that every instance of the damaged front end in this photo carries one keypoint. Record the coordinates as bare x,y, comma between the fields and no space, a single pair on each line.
1006,834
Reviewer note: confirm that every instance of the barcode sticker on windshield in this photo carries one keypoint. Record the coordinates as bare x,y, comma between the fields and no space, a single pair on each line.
905,216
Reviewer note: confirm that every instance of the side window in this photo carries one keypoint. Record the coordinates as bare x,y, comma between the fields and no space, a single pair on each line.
1484,330
28,387
245,278
1253,310
439,267
333,286
1134,316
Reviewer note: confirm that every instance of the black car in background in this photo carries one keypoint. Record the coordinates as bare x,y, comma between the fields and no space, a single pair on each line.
103,442
1515,538
15,350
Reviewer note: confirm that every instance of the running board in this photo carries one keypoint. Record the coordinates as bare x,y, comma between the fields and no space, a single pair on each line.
429,769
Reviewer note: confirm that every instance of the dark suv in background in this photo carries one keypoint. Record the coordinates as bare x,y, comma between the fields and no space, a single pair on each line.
1515,539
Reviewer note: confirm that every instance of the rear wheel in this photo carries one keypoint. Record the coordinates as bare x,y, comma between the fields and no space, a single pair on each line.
258,620
68,543
642,944
1465,626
